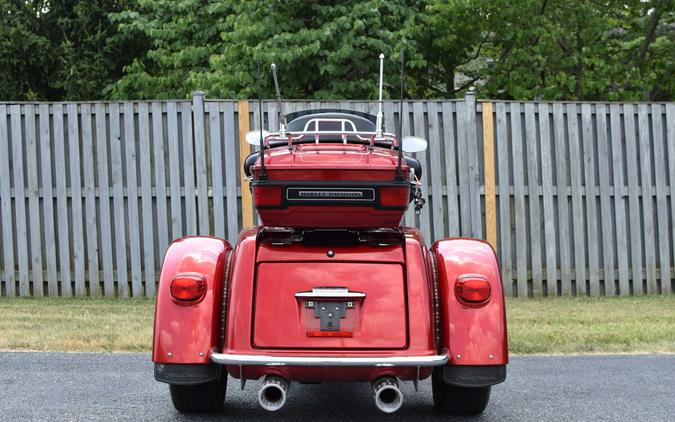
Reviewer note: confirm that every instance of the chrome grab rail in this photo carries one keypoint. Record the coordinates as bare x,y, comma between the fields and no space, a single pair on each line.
290,137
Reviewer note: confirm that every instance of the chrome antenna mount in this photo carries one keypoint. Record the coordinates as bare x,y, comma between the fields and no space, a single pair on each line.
282,116
378,132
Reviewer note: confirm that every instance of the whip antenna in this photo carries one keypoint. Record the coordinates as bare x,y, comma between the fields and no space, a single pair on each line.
282,116
378,132
399,135
263,176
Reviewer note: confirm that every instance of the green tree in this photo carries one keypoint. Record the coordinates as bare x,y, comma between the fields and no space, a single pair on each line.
323,49
552,49
65,50
182,37
25,62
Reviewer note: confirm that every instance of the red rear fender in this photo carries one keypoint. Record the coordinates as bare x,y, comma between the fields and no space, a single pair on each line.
186,331
474,333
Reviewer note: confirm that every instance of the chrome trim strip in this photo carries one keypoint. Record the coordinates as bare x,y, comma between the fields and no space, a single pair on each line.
330,292
262,360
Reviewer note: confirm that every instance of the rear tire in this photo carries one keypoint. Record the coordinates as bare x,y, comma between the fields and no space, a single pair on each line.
200,398
451,400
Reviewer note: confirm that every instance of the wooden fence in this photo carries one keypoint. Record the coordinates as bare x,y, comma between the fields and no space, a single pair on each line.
577,198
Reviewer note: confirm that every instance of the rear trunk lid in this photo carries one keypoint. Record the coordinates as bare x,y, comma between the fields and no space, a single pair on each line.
314,297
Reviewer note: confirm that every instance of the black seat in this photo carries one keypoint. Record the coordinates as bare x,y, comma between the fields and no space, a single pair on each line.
415,165
248,163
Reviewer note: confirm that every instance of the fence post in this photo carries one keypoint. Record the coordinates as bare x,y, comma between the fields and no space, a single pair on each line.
489,168
201,162
244,151
473,169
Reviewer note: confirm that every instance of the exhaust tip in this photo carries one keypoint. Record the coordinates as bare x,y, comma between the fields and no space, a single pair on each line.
272,393
388,397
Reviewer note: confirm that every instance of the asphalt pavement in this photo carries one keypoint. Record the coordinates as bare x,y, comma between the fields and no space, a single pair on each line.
120,387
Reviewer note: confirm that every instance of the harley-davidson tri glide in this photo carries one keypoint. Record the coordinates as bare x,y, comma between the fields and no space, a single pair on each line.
330,286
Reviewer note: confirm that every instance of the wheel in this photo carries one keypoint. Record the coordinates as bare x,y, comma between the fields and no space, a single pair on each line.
200,398
452,400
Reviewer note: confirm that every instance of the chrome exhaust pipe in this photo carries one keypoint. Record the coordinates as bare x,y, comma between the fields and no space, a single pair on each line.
388,397
272,393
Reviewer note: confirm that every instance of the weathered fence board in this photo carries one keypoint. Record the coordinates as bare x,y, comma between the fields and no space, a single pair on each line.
146,199
562,186
604,158
503,164
577,198
547,191
105,223
91,227
34,203
60,169
8,275
133,227
77,251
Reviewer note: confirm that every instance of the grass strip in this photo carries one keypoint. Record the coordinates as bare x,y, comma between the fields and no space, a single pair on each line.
640,324
637,324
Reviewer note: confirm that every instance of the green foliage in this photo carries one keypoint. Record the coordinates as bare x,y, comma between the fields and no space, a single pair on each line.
183,36
510,49
557,49
24,60
62,50
322,51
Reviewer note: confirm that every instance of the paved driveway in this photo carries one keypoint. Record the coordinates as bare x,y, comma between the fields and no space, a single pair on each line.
92,386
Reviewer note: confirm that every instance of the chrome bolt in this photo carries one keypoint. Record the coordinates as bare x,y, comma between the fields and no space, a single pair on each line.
323,308
169,354
201,354
459,356
492,356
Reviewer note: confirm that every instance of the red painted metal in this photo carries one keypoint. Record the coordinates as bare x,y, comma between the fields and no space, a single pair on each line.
335,163
473,335
282,320
240,317
186,332
396,318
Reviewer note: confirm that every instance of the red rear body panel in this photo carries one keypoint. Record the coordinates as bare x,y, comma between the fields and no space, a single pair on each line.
474,335
402,286
282,320
186,332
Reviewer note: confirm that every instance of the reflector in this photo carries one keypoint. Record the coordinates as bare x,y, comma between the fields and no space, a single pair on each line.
394,196
267,196
330,334
472,288
188,287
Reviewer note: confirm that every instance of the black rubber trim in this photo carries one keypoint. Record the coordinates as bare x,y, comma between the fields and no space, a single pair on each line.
185,374
437,305
224,306
474,375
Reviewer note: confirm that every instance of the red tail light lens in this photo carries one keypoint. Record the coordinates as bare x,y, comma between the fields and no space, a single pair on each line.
188,287
473,289
394,196
267,196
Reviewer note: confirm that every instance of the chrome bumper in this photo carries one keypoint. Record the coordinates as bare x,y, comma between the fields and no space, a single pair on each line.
264,360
